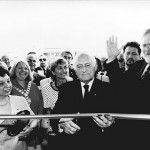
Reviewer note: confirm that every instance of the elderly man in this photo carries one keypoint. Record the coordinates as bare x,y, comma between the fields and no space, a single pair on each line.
75,98
31,59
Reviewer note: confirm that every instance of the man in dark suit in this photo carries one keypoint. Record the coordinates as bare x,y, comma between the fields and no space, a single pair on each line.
132,90
41,69
73,98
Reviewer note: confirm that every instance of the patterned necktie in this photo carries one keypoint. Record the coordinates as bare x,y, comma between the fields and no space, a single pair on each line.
86,87
147,71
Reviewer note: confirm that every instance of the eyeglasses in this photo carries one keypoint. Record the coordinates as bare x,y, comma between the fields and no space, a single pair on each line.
42,59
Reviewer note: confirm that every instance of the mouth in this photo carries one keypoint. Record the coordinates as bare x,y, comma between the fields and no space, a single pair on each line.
130,61
7,90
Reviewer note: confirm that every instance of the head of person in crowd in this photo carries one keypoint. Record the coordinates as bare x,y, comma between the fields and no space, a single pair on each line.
31,59
21,72
103,69
68,56
3,64
121,60
59,68
146,46
5,84
6,59
43,61
131,53
99,66
85,66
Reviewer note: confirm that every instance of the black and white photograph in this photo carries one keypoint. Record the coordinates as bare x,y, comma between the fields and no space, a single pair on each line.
74,74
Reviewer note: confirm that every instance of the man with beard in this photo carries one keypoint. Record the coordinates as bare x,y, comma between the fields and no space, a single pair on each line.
132,90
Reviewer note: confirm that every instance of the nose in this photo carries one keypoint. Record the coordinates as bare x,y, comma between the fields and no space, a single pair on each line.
130,56
84,69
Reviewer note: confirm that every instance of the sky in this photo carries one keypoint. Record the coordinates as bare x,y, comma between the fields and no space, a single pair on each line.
75,25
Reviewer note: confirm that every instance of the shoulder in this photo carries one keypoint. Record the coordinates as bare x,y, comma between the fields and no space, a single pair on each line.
19,103
33,84
44,81
35,74
37,68
98,82
70,85
103,78
18,100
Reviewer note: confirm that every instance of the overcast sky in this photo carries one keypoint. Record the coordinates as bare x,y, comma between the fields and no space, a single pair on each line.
78,25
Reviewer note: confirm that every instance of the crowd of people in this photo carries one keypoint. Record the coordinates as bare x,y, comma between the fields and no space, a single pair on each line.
80,84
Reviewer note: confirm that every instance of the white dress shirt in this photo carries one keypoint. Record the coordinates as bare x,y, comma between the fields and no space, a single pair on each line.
90,85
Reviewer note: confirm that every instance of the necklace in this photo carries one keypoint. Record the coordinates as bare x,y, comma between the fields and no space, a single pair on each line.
1,105
24,92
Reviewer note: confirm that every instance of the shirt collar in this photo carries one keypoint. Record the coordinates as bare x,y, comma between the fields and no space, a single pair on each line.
90,84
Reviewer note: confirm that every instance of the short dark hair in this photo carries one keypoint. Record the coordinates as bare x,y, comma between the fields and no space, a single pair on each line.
54,63
31,53
132,44
3,71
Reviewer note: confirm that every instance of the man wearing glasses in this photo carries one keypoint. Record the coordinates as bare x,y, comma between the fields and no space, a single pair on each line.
43,64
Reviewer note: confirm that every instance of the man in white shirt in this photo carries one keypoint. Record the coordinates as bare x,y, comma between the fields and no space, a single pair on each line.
72,100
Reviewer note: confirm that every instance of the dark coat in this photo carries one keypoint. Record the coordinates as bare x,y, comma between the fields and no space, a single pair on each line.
132,98
37,78
70,100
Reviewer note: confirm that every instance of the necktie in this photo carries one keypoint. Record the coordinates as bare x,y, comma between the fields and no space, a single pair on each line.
86,87
147,71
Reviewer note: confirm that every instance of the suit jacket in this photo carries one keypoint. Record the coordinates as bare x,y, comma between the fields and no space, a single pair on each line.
130,87
70,100
132,98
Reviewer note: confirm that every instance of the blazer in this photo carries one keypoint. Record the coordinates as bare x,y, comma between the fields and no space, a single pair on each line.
132,98
70,100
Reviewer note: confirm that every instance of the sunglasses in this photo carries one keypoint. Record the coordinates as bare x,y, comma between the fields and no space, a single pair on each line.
42,59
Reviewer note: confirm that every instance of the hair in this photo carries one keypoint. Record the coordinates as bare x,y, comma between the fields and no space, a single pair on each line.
79,55
5,56
132,44
31,53
54,63
3,64
99,66
13,74
146,32
3,71
68,52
